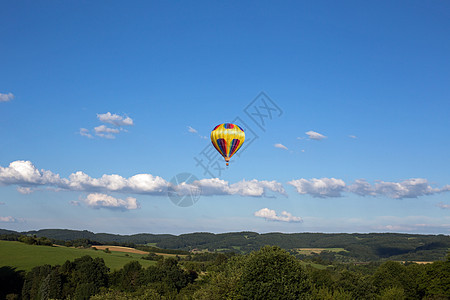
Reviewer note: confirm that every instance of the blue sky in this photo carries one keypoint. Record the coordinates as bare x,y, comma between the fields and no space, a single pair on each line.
92,94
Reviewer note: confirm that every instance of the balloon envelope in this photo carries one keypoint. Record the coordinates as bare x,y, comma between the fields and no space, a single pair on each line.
227,138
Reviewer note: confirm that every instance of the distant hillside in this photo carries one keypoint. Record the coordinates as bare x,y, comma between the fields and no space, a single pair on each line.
358,247
5,231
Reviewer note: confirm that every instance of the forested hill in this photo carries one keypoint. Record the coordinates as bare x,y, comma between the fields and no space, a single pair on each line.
371,246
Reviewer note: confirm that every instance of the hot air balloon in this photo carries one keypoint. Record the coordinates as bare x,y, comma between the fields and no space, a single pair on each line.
227,138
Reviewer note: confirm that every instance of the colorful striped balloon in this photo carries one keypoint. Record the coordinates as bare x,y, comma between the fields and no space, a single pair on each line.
227,138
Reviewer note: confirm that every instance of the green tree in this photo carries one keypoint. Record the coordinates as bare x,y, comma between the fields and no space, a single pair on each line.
33,281
84,291
11,281
359,285
51,286
272,273
128,278
392,293
436,280
389,274
85,276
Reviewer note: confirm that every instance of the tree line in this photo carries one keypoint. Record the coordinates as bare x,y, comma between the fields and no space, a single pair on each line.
359,247
268,273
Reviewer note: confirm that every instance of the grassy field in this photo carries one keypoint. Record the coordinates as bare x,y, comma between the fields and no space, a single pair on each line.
25,257
316,266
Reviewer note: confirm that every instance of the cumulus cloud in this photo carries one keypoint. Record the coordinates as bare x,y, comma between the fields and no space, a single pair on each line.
410,188
85,132
361,187
98,200
271,215
26,176
24,173
331,187
442,205
8,219
396,228
114,119
138,184
6,97
315,135
106,132
24,190
253,188
321,188
281,146
105,129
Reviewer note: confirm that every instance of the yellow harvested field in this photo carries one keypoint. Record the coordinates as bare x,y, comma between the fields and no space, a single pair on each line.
417,262
131,250
120,249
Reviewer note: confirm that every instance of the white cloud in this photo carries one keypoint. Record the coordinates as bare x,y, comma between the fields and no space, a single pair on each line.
85,132
8,219
27,177
256,188
253,188
75,203
6,97
115,119
443,205
315,135
271,215
410,188
25,174
106,132
412,224
139,184
396,228
361,187
280,146
105,129
24,190
353,136
98,200
321,188
331,187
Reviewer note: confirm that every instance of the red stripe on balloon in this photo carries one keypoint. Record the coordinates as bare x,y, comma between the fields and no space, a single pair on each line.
234,145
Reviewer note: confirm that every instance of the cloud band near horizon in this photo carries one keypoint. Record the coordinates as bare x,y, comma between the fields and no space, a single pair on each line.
27,177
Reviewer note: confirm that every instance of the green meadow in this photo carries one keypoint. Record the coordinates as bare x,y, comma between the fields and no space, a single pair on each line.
25,257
